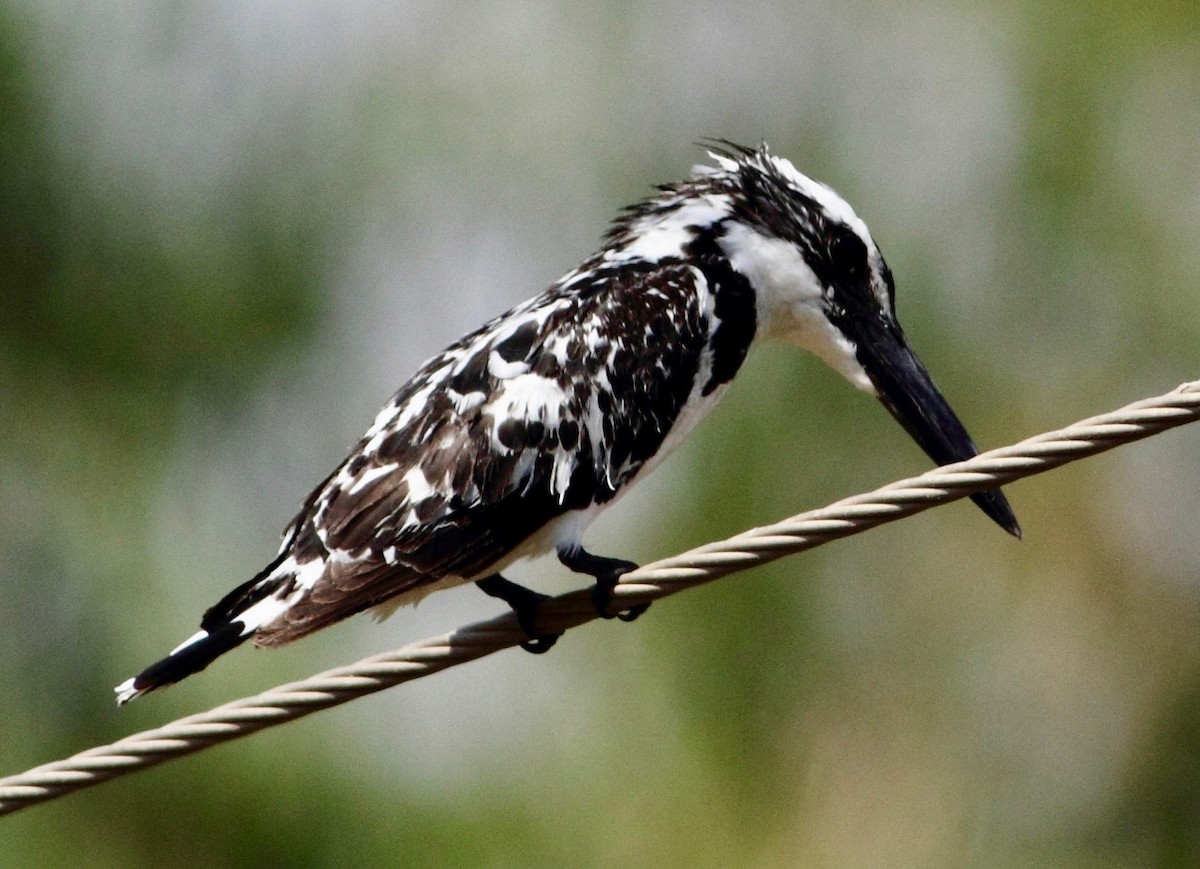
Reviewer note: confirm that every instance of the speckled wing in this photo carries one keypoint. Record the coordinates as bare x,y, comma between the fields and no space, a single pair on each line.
549,408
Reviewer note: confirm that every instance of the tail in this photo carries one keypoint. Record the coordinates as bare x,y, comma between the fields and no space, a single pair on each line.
225,626
191,657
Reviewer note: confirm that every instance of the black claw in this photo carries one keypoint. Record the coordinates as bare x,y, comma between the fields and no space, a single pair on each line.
537,644
601,598
524,603
541,644
607,572
602,595
631,614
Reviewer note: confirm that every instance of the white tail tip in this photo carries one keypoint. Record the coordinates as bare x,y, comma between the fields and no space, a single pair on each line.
126,692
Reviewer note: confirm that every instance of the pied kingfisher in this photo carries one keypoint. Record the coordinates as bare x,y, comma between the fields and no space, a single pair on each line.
512,440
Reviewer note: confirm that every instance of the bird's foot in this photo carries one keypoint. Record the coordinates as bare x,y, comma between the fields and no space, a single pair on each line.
524,603
607,572
602,595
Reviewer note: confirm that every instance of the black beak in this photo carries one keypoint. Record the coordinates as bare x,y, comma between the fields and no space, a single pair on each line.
907,391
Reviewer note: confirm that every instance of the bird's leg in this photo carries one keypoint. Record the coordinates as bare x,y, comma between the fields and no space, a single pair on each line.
606,572
524,603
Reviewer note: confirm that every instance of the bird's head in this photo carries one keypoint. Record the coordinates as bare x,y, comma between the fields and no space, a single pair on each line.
821,283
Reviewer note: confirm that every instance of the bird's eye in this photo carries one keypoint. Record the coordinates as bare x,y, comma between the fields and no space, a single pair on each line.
848,255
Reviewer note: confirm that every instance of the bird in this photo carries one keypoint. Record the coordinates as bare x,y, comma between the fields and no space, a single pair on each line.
511,441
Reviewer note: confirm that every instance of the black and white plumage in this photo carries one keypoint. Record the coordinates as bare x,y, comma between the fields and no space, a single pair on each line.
512,440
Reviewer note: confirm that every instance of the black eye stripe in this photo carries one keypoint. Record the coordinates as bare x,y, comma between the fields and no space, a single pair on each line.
847,254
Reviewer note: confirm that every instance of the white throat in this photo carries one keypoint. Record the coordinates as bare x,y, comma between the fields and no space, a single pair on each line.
790,299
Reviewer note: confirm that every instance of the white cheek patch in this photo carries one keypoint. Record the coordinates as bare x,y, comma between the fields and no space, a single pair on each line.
783,282
819,337
791,299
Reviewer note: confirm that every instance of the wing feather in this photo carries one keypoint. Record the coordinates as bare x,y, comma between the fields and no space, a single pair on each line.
554,406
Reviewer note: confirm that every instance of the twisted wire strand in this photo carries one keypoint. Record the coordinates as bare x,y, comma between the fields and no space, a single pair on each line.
662,578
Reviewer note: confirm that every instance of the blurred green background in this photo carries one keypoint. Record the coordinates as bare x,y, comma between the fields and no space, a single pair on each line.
229,231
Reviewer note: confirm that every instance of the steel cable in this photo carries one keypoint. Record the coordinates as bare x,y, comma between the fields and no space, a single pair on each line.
660,579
